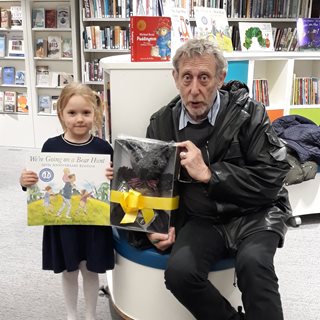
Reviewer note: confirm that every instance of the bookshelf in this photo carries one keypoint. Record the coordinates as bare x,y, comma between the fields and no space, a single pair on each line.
157,85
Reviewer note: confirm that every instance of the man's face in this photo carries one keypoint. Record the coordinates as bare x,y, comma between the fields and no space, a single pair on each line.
198,84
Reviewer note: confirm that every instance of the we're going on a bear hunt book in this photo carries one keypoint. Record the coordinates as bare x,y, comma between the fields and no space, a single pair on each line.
72,189
150,38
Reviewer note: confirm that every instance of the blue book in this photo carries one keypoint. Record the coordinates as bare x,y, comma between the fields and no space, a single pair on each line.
8,75
2,45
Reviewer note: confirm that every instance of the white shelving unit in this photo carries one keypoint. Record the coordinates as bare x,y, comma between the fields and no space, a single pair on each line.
138,89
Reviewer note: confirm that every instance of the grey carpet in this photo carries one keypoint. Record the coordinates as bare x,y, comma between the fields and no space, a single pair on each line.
27,292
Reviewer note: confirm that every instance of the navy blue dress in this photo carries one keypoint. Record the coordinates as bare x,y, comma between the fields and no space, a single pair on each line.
64,247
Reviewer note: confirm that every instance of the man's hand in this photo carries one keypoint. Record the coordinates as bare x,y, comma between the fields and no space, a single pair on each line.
163,241
28,178
192,161
109,171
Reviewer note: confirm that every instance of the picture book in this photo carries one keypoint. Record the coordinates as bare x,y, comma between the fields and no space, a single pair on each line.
16,47
54,46
150,38
42,75
64,79
143,188
50,18
308,34
8,75
16,17
212,24
67,48
10,100
41,48
38,18
1,101
256,36
72,189
5,15
20,77
22,102
2,45
181,30
63,17
44,104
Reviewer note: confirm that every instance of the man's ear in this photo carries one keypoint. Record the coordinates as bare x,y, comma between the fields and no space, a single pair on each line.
221,79
175,75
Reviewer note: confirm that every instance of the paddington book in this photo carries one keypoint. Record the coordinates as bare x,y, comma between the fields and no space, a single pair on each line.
72,189
150,38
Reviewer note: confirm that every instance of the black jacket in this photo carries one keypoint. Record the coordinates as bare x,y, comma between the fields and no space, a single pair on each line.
248,164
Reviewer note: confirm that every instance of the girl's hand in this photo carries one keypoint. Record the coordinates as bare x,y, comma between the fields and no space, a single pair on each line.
28,178
163,241
109,171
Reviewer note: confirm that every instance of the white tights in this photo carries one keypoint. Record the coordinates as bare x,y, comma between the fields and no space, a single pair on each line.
90,291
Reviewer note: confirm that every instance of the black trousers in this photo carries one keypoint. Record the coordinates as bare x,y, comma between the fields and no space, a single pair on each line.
198,245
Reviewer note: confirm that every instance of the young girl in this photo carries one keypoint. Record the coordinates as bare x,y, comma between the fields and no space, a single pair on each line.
68,249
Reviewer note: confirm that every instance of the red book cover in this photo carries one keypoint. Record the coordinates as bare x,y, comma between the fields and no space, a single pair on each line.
150,38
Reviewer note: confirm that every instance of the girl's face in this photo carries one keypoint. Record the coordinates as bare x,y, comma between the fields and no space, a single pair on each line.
78,118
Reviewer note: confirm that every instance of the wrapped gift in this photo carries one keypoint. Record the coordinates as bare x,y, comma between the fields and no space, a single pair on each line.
143,191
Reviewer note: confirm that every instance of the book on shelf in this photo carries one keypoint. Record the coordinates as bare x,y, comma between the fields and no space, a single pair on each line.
63,17
5,15
260,91
54,46
22,102
42,76
41,48
150,38
16,47
38,18
1,101
54,104
44,104
16,17
66,48
50,18
20,77
64,79
8,75
256,36
10,100
212,24
83,174
2,45
308,33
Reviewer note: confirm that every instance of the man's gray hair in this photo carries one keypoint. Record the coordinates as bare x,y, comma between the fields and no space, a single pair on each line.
198,47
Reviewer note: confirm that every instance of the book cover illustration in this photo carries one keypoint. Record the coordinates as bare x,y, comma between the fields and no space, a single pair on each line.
44,104
54,101
54,47
50,18
143,188
16,17
72,189
42,76
2,45
63,17
256,36
8,75
212,24
38,18
308,34
41,48
22,102
10,99
67,48
150,38
5,15
16,47
20,77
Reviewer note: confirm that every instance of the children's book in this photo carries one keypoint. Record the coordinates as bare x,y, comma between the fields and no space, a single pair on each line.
8,75
44,104
64,79
50,18
212,24
308,34
143,189
22,102
54,46
63,17
41,48
20,77
38,18
42,75
150,38
72,189
67,48
5,18
16,47
10,100
16,17
256,36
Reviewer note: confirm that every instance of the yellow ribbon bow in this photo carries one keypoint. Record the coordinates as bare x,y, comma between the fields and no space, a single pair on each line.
133,201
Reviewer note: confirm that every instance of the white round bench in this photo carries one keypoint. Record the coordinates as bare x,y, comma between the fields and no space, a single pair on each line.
137,286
